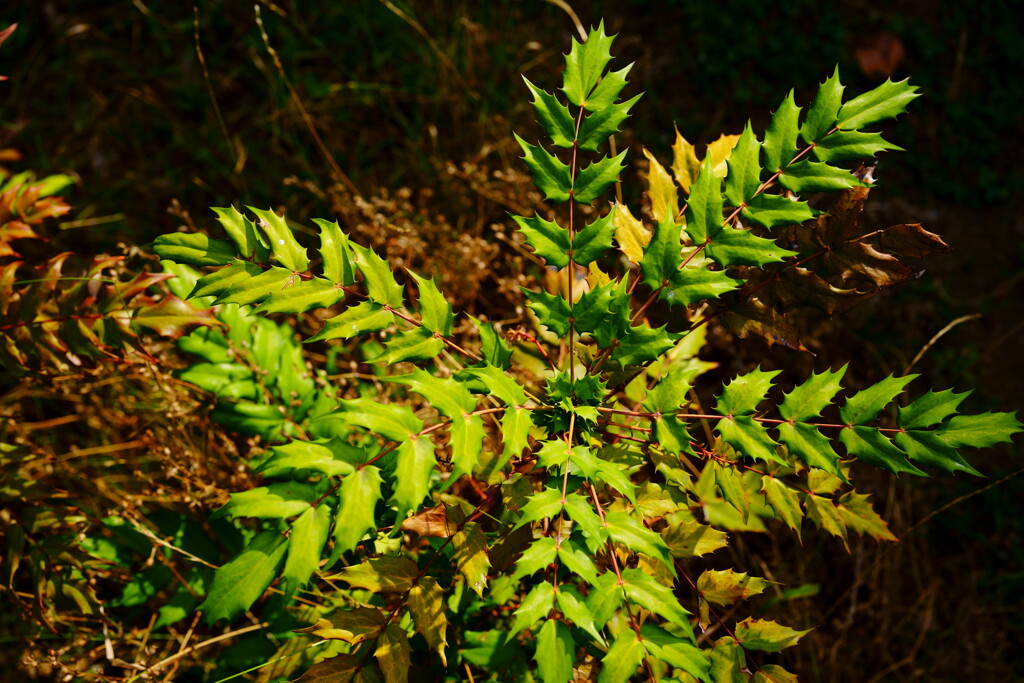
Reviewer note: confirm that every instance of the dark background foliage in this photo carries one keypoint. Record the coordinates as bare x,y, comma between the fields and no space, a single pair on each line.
415,103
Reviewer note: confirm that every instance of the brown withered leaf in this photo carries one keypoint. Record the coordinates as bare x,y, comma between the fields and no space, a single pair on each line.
912,241
352,626
755,318
433,522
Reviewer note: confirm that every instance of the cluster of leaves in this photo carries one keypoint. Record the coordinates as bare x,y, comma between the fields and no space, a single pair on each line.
574,494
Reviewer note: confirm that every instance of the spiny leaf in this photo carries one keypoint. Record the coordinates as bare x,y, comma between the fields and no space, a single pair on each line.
876,449
584,66
451,398
193,248
426,603
607,91
470,556
413,345
887,101
605,598
856,511
387,574
730,483
241,582
256,289
727,662
689,538
807,176
926,448
380,282
744,170
767,636
577,560
726,587
308,536
301,296
582,512
539,555
772,210
435,311
622,659
665,647
594,180
603,123
576,611
643,589
743,394
704,208
555,652
308,456
773,673
551,309
286,250
554,116
550,175
823,512
930,409
739,247
980,431
277,501
392,654
807,400
865,405
414,465
664,197
749,438
696,283
543,505
643,343
336,250
630,234
360,319
808,444
391,421
626,530
784,501
821,117
358,497
591,243
852,145
780,138
549,240
534,607
685,165
662,256
243,233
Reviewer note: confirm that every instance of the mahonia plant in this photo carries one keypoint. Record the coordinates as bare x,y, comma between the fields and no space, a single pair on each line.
578,497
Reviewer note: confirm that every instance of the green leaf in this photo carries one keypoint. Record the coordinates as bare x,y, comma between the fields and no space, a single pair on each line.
662,254
607,91
727,662
773,673
605,598
243,233
784,501
689,538
435,311
593,309
594,180
301,296
730,482
876,449
695,283
582,512
395,422
412,345
604,122
339,264
277,501
749,438
500,384
257,288
887,101
286,250
807,400
516,424
624,529
241,582
822,115
426,604
414,464
448,396
380,282
551,309
308,536
577,560
549,240
812,176
852,145
825,515
357,320
772,210
856,511
744,175
704,208
594,240
555,652
466,441
622,659
539,555
193,248
767,636
740,247
584,66
643,343
644,590
534,607
576,611
780,138
980,431
554,116
387,574
494,350
727,587
671,434
550,175
927,448
543,505
665,647
808,444
359,494
930,409
306,456
865,405
743,394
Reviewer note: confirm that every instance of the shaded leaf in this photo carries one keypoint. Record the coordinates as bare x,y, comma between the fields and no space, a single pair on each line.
766,635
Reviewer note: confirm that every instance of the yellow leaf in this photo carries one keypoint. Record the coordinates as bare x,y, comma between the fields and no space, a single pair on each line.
352,626
661,189
471,556
426,602
393,655
720,151
630,233
685,164
596,277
